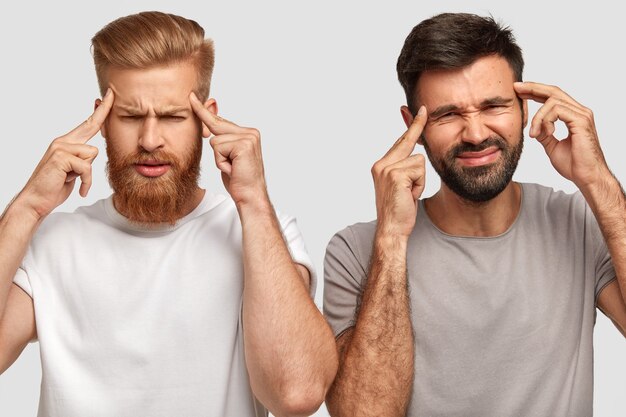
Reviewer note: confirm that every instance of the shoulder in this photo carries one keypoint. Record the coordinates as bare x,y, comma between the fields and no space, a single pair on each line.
554,203
62,223
357,238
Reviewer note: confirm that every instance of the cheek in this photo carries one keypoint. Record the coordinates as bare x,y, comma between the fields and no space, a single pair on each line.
508,127
182,135
441,137
181,131
121,134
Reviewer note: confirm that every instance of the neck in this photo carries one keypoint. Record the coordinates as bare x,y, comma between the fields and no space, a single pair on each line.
459,217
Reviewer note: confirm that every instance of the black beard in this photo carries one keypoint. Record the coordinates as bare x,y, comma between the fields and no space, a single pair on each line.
482,183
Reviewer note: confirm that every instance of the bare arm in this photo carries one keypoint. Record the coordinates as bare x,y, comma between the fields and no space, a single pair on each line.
376,356
290,352
375,375
608,204
580,159
17,326
67,158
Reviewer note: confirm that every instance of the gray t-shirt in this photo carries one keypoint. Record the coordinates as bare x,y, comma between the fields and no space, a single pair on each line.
503,325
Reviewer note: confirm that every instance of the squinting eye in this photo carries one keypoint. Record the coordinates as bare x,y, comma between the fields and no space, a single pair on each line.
131,117
174,118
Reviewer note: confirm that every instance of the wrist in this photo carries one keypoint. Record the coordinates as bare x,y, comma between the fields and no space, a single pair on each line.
607,191
22,213
389,241
255,204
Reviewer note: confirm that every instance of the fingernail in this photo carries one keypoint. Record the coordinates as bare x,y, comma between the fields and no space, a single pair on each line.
422,111
193,96
108,93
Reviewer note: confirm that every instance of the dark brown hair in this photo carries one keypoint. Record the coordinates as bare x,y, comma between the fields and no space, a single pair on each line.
450,41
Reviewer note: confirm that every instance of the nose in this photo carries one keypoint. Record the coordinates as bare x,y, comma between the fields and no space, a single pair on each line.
474,130
150,138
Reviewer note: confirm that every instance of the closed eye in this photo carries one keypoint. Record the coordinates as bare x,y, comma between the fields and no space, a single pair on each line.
173,118
496,107
447,115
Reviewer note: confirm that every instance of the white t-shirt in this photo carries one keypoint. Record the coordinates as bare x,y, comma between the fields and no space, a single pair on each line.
143,322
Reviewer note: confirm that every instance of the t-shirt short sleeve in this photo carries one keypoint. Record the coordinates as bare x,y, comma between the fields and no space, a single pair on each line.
297,249
21,279
604,269
344,274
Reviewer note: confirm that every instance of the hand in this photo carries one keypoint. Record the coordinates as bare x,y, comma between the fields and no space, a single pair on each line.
399,180
67,158
237,155
578,157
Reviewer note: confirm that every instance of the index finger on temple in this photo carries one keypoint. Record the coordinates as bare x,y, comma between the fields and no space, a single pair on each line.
88,129
405,145
216,124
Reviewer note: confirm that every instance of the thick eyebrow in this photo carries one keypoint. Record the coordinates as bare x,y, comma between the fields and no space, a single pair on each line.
165,111
498,100
172,110
446,108
128,109
441,110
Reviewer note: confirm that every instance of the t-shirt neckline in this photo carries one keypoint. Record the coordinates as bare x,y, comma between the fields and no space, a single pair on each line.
482,238
208,202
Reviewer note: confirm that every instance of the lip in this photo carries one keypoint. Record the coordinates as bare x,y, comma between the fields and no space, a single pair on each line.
484,157
152,168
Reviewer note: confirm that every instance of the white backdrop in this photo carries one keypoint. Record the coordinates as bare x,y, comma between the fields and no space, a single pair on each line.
319,82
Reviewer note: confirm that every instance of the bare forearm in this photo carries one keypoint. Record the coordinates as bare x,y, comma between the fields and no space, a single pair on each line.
17,227
608,203
290,351
376,366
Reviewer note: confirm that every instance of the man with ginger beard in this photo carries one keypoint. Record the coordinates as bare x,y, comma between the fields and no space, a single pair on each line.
149,200
138,301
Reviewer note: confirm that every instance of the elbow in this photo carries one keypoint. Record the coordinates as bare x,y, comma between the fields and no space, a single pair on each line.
300,401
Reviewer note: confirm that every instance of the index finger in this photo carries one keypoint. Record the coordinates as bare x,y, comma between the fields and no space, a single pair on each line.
541,92
216,124
87,129
405,145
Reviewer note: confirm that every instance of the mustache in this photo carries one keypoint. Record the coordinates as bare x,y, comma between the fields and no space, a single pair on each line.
491,141
141,157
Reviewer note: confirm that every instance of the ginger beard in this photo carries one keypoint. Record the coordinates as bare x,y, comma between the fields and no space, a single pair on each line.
160,199
481,183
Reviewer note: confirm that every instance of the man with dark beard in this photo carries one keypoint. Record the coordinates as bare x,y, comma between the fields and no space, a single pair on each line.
162,300
479,300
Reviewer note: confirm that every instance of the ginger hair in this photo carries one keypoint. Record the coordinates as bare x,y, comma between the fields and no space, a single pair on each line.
152,39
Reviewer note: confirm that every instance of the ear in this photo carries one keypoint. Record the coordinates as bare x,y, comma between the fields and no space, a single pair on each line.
408,120
210,105
406,116
525,113
103,130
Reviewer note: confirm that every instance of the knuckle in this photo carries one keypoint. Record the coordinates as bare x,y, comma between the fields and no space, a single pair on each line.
254,132
394,174
375,170
56,144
